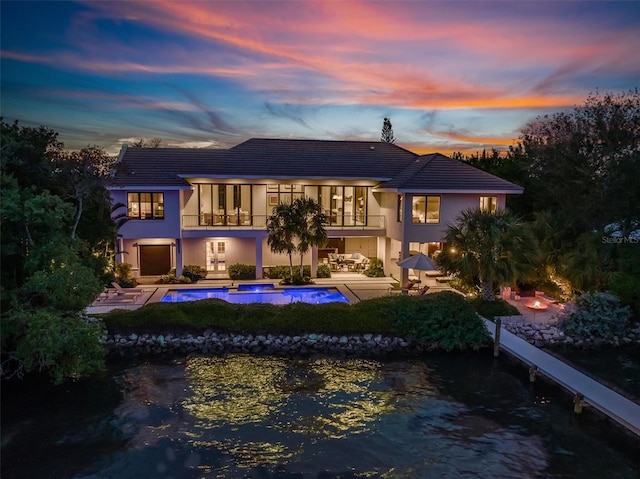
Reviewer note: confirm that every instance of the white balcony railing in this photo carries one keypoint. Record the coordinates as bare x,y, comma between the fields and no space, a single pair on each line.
258,222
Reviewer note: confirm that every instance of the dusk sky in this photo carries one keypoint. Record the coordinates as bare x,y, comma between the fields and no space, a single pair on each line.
452,76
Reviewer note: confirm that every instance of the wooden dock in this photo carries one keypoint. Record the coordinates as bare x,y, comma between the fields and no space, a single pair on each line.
609,402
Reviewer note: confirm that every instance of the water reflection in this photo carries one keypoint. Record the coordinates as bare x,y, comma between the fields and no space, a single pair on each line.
262,417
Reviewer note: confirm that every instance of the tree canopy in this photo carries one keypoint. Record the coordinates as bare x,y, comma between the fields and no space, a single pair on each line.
296,227
579,169
57,231
488,250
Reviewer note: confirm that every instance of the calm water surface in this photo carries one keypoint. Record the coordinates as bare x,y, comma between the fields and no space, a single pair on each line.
264,417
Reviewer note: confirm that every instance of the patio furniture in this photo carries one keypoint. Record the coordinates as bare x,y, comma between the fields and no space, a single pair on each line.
128,292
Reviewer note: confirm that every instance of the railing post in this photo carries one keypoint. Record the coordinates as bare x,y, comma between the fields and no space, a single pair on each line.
496,341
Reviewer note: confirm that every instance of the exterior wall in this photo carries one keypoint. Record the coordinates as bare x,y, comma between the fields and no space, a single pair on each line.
450,207
169,227
189,200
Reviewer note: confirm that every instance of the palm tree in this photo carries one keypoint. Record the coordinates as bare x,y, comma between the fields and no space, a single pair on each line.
489,249
311,230
296,227
282,228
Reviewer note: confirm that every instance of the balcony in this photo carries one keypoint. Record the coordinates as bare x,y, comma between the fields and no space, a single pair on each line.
258,222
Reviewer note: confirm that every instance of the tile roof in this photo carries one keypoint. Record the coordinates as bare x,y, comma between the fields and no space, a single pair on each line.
436,172
390,165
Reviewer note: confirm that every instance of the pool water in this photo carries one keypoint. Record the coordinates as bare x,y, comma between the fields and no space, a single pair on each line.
258,293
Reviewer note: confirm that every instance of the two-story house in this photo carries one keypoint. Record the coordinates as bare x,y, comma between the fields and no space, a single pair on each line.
209,207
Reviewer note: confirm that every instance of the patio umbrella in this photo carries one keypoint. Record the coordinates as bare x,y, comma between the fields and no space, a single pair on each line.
420,261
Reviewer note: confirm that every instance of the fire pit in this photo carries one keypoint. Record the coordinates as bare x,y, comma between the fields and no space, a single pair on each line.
536,305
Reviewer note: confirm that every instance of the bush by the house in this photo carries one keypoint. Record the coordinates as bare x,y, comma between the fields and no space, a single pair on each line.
242,271
599,315
324,271
283,271
194,272
123,276
375,269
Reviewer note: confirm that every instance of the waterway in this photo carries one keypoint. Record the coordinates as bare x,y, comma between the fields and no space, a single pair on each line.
237,416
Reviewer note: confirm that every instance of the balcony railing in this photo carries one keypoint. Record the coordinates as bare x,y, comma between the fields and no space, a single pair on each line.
259,222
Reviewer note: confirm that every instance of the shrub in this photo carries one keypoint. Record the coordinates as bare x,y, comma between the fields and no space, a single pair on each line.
184,279
491,309
46,340
242,271
193,272
599,315
282,271
324,271
123,275
375,269
444,319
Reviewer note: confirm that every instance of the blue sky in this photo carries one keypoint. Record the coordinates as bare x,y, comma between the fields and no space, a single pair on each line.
452,76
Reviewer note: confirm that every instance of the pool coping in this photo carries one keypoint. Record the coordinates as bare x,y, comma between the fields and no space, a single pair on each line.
348,287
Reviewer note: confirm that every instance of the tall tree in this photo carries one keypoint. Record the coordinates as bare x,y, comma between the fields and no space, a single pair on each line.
585,163
311,229
489,250
296,227
51,254
387,132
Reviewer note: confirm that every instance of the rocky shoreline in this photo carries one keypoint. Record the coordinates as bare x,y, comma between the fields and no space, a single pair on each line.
211,342
548,335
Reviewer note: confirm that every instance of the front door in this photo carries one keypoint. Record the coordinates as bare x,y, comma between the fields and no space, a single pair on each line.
216,256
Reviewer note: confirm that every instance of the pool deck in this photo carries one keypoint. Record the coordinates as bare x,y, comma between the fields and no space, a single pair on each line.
354,286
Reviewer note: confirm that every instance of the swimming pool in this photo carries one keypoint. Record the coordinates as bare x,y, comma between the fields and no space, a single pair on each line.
258,293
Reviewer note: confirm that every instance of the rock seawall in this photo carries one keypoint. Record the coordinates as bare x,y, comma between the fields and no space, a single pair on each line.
213,342
548,335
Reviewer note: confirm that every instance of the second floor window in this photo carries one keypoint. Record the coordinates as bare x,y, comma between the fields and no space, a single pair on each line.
399,212
425,209
145,206
489,203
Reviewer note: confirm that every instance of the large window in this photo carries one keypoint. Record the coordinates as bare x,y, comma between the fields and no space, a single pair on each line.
426,209
225,204
344,205
283,194
489,203
145,206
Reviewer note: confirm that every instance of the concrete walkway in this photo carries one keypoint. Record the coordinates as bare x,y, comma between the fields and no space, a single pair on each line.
617,407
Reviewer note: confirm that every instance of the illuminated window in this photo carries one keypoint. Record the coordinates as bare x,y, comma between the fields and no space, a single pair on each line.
145,206
399,212
425,209
489,203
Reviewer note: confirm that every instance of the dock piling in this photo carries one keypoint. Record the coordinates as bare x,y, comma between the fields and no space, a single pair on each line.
496,341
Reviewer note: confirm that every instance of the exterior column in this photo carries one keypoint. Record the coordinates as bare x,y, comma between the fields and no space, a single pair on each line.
314,262
259,258
178,257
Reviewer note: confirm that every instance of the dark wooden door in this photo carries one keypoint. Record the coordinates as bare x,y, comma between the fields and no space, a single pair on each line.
155,260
